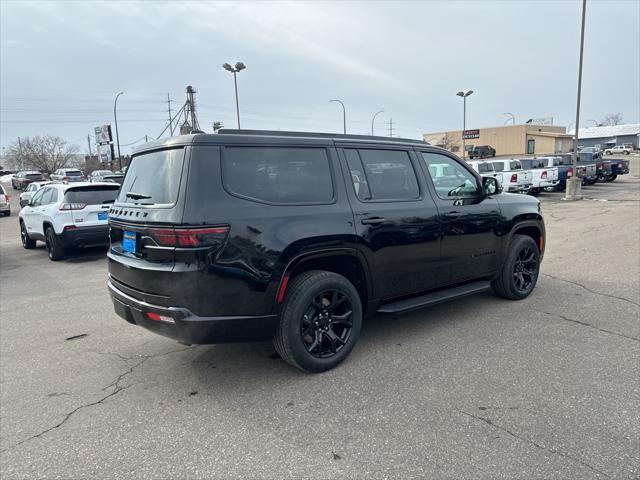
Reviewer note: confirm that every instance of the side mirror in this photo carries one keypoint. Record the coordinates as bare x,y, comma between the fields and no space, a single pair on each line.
23,203
490,186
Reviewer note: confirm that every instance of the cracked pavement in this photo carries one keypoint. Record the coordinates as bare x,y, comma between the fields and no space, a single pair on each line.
481,388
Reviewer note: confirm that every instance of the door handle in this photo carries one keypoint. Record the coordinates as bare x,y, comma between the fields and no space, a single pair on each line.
372,221
453,214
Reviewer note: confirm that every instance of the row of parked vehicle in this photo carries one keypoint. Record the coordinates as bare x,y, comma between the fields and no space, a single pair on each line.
550,173
22,179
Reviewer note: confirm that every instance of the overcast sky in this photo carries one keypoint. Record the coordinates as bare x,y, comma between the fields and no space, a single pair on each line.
63,62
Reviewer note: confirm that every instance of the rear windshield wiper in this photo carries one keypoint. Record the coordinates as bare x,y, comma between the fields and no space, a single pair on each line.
137,196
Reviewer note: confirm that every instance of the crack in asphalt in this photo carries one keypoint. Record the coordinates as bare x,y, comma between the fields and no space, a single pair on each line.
117,389
592,291
580,322
531,442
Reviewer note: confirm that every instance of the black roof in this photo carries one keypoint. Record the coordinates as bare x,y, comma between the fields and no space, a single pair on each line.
229,136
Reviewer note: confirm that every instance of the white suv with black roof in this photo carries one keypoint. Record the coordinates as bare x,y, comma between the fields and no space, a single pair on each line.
67,215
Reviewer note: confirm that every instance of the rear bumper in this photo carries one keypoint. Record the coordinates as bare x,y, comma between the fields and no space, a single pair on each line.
5,207
549,183
85,236
190,328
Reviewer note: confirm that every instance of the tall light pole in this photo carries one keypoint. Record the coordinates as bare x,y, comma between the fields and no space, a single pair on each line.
239,66
464,96
115,118
344,115
574,184
374,118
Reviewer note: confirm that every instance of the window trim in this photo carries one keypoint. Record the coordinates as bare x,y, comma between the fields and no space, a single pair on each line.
408,151
461,162
224,175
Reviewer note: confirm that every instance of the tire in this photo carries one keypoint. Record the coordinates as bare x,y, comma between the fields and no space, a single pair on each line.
520,270
626,152
323,341
54,249
7,213
612,178
27,242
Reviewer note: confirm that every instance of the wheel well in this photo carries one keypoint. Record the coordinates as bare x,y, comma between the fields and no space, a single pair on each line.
530,231
47,224
348,266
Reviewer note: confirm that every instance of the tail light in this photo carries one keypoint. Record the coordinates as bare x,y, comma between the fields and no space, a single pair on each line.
570,172
7,198
514,178
190,237
72,206
544,174
65,179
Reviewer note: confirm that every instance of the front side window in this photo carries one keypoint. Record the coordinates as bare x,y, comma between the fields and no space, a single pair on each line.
37,198
278,174
515,165
484,168
450,178
382,174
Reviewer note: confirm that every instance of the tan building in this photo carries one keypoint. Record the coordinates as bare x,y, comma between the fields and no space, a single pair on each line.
511,140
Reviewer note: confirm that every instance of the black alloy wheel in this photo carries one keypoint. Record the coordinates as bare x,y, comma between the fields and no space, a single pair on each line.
27,242
525,269
320,321
327,324
520,269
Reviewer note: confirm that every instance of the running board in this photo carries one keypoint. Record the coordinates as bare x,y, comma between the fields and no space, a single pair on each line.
433,298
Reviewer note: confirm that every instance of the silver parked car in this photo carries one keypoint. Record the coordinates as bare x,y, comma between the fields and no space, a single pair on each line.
98,175
67,175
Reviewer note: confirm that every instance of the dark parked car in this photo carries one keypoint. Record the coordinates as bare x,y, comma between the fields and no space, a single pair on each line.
295,237
482,151
24,178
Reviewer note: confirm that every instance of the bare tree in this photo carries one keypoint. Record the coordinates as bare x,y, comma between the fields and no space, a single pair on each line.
448,143
612,119
47,153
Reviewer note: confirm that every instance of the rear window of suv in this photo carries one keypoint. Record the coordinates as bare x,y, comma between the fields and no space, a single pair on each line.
278,175
92,195
153,178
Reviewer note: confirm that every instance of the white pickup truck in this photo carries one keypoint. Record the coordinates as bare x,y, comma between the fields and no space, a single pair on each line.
514,182
543,176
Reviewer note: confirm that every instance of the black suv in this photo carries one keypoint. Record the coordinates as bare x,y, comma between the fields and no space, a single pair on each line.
482,151
295,237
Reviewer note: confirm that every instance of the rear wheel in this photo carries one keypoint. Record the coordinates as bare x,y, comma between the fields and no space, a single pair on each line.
520,270
320,321
54,249
27,242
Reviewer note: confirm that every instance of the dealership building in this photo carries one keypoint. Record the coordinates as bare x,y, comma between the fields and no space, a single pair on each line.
609,136
509,140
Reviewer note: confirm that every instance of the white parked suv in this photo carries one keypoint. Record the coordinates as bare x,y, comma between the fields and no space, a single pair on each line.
618,149
68,215
30,191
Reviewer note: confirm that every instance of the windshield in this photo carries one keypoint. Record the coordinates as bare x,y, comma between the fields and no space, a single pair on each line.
153,178
92,195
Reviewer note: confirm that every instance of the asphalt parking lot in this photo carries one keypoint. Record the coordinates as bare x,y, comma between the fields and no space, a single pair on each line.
548,387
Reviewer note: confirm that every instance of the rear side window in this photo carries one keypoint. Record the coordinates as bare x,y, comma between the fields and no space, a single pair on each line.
92,195
278,175
484,167
153,178
382,174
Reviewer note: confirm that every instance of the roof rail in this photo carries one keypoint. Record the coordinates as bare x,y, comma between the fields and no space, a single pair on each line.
336,136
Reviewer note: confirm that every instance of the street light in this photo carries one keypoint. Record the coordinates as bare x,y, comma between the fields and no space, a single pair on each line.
115,118
344,115
574,184
239,66
373,120
464,96
513,118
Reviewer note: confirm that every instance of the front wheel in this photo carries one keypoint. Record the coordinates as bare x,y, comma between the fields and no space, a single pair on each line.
27,242
54,249
320,321
520,270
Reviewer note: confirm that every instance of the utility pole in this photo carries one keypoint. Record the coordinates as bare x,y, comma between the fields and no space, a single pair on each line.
89,145
20,150
574,184
170,117
391,127
146,138
192,108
